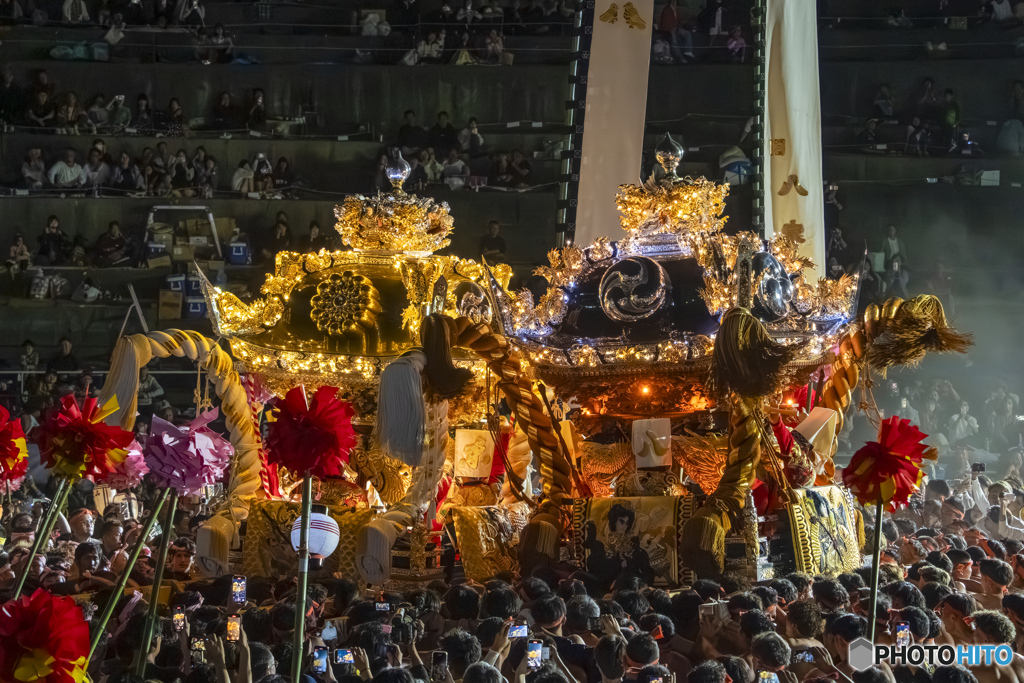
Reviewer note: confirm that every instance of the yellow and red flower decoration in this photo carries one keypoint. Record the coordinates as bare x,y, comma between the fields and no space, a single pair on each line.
889,469
43,638
74,441
13,450
315,436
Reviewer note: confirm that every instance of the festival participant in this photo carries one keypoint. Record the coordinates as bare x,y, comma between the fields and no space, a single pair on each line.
996,576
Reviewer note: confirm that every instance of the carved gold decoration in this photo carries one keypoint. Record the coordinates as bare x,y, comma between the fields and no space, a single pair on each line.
394,223
824,531
687,209
346,304
234,317
603,464
777,147
632,17
702,458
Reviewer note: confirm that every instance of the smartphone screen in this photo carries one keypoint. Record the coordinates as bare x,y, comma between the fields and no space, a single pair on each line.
802,656
517,631
320,659
534,653
902,634
707,610
768,677
238,590
198,651
594,624
329,631
438,666
343,657
234,627
179,618
383,607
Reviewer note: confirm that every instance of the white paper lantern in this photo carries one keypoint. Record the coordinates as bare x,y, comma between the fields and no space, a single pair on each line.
323,535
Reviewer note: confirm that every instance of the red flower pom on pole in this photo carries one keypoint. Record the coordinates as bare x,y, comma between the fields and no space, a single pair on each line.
889,469
43,638
314,436
887,472
75,441
13,452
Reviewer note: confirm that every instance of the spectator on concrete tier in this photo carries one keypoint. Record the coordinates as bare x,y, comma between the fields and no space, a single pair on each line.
869,136
314,241
467,15
67,173
164,185
97,171
962,425
54,246
431,166
174,119
884,101
75,12
951,118
70,114
19,255
283,177
33,169
737,45
440,19
120,115
968,147
412,137
263,173
42,82
679,38
896,276
101,145
280,239
257,117
417,179
29,359
63,359
918,138
470,139
99,112
206,182
149,388
12,99
112,248
927,103
520,168
222,48
443,136
241,181
493,12
495,47
492,245
162,158
41,112
198,162
501,174
126,176
1002,13
182,175
455,170
189,13
144,118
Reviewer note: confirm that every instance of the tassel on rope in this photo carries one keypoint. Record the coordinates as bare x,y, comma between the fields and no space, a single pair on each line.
746,360
446,379
914,328
401,411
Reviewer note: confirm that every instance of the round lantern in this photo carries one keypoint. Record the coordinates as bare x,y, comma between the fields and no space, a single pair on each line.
323,535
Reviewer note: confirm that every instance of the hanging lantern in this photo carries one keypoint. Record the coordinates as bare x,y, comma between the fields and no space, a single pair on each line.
474,450
323,535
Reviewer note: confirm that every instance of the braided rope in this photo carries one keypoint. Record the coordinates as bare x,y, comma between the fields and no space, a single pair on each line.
525,405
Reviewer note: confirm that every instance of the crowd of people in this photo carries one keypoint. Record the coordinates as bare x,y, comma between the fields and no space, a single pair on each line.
952,572
444,154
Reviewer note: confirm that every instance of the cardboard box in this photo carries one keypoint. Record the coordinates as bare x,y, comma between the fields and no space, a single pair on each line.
169,307
198,240
225,227
183,252
159,261
164,238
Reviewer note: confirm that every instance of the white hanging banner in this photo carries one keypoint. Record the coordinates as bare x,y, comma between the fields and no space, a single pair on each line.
794,195
616,107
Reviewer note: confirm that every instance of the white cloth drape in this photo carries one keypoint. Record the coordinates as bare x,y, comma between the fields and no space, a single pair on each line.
793,113
616,106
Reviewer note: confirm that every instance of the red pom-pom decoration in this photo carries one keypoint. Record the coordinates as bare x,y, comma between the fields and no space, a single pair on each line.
43,638
889,469
75,441
317,436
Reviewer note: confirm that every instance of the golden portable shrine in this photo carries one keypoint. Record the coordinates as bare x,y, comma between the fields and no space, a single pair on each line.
652,391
